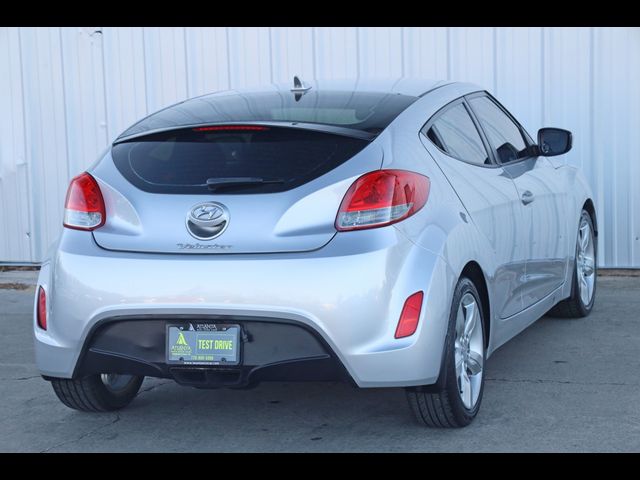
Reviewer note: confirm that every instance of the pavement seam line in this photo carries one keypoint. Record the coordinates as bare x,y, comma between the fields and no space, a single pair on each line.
153,387
564,382
21,378
84,435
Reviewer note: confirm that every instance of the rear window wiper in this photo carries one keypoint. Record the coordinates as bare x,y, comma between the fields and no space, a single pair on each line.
228,182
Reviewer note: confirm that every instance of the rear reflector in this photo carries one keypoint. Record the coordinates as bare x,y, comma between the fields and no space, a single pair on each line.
84,207
410,315
381,198
41,312
214,128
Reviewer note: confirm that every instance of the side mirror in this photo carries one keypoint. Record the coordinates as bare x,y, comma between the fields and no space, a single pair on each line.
553,141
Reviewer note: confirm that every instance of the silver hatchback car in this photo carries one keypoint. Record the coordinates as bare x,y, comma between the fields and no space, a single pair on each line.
385,233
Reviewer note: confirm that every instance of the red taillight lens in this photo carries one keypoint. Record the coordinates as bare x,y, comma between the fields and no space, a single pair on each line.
42,309
381,198
410,315
84,207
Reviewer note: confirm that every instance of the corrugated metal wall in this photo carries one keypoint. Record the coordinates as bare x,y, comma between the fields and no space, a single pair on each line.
65,93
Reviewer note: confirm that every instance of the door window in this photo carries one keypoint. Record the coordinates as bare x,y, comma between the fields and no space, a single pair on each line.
503,134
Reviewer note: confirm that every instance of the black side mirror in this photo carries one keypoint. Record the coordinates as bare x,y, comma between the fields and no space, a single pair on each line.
553,141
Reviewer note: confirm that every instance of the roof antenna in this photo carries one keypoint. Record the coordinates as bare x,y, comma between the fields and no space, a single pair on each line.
299,88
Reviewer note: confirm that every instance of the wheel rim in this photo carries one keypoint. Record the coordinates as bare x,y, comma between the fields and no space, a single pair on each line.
586,262
469,351
115,382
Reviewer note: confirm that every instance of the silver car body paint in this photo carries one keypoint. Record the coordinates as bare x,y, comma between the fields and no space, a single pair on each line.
348,286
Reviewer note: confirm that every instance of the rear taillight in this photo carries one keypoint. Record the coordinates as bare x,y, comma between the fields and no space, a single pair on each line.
84,207
42,309
410,315
381,198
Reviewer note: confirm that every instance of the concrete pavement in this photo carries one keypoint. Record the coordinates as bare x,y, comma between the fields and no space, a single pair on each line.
562,385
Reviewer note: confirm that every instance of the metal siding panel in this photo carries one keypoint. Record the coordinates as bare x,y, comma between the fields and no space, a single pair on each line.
336,52
472,56
616,115
380,51
631,49
292,53
604,153
46,131
567,88
250,56
15,215
207,60
519,69
71,91
84,96
124,72
165,66
425,52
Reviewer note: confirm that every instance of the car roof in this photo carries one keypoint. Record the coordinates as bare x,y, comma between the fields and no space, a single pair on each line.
365,105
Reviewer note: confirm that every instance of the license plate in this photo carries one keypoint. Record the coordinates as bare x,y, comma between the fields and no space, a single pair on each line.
203,344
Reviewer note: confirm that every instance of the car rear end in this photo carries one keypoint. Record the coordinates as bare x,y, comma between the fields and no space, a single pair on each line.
230,253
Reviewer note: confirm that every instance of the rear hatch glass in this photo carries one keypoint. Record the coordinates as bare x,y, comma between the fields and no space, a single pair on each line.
182,161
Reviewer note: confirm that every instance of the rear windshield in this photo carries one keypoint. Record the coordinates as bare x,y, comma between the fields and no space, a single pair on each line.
181,161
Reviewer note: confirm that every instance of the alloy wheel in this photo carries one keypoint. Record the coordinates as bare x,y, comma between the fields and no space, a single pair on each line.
469,351
586,265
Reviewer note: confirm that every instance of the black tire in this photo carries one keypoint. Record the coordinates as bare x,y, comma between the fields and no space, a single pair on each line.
574,307
90,394
445,408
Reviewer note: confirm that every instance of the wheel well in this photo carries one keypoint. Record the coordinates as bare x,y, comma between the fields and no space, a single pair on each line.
474,273
588,206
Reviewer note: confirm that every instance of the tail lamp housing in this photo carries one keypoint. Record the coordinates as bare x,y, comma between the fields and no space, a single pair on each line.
84,206
381,198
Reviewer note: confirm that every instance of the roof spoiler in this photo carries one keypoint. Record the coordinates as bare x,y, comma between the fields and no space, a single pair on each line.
318,127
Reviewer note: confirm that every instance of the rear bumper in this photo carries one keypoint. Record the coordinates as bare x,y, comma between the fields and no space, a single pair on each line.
346,296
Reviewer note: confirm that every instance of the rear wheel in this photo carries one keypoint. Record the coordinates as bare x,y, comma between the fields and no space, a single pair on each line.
583,290
97,393
463,382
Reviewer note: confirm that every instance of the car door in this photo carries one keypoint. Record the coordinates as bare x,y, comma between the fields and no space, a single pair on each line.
538,186
488,194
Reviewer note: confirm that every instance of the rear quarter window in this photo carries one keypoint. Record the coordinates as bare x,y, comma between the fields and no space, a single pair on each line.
453,132
181,161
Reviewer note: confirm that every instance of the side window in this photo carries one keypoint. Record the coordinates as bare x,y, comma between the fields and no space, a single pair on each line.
454,133
504,136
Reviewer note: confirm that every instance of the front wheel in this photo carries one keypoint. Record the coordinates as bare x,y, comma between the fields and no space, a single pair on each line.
97,393
459,401
585,270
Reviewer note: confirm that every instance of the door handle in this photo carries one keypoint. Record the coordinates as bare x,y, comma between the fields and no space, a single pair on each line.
527,197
